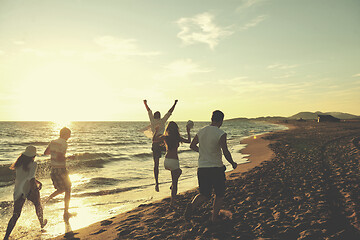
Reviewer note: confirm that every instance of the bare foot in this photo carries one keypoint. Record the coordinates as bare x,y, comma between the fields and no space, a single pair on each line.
157,187
44,223
43,201
68,215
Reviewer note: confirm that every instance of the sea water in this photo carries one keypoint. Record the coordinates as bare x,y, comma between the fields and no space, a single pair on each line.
112,171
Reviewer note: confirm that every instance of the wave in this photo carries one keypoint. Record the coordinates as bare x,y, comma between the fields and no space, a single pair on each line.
185,150
89,156
106,192
112,191
7,176
82,160
35,143
111,143
123,143
142,155
97,182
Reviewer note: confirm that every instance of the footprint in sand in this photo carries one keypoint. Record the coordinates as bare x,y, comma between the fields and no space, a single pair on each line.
98,232
225,214
106,222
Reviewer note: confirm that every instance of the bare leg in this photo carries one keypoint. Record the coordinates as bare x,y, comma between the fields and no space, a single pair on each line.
198,199
218,202
156,173
67,203
34,197
18,205
175,174
54,194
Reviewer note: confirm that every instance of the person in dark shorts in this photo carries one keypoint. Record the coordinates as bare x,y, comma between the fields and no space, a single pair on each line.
211,170
158,146
26,187
59,174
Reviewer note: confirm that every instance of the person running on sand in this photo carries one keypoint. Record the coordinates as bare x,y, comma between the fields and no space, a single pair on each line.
157,145
59,174
172,140
26,187
211,170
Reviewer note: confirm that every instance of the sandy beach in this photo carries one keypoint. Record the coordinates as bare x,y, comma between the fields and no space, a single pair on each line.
303,183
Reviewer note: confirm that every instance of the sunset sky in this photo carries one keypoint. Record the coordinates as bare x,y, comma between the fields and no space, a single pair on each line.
98,59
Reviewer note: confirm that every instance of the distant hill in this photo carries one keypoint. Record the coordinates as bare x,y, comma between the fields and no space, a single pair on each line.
268,118
303,115
314,115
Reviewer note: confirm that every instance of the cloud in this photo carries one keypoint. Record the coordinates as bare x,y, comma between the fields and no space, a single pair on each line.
244,85
287,75
248,3
18,42
121,47
356,75
233,81
282,66
36,52
254,22
201,29
182,68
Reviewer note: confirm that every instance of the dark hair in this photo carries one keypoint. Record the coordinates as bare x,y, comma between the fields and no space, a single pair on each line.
172,135
217,116
157,115
23,161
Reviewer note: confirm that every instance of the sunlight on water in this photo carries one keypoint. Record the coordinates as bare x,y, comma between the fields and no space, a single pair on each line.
77,179
59,124
112,171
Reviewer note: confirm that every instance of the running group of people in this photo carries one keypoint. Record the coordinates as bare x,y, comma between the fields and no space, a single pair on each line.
210,142
28,187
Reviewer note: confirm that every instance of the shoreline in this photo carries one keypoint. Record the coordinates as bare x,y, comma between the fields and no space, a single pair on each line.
309,189
258,151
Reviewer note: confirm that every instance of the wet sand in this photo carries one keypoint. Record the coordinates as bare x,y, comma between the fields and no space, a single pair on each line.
306,185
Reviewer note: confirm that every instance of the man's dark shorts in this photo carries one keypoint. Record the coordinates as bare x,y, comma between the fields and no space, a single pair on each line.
212,178
158,148
60,178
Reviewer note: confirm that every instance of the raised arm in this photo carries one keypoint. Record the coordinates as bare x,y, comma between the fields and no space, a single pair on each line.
194,144
226,151
173,106
146,105
168,114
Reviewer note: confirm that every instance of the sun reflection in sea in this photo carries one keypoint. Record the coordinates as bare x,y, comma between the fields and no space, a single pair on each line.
58,124
77,179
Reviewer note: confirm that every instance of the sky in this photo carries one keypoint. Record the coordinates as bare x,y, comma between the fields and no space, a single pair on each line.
94,60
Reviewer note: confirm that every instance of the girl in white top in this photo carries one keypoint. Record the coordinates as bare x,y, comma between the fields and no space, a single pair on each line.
172,139
26,187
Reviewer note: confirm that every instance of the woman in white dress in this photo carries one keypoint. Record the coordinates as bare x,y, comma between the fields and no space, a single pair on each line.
26,187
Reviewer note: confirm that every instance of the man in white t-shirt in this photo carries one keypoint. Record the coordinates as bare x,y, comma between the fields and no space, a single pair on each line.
158,146
59,174
211,170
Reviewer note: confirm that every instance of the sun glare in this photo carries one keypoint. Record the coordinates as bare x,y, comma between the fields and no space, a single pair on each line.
61,92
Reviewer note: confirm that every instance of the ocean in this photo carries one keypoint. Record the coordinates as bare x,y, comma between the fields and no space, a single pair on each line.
112,171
